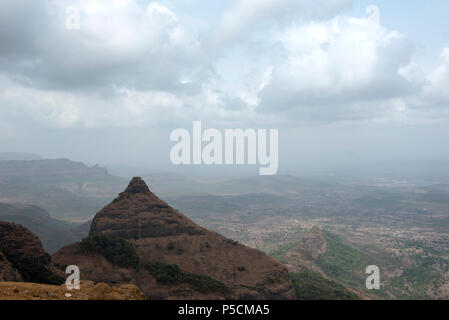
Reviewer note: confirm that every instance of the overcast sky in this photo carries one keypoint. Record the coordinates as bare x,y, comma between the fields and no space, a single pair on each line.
343,81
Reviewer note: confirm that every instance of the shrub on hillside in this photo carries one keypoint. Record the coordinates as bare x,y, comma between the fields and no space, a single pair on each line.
310,285
115,250
171,274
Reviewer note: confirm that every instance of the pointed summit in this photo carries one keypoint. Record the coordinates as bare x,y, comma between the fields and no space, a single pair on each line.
137,185
138,213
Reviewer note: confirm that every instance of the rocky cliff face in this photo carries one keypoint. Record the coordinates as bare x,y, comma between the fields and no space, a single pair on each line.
163,238
23,251
7,271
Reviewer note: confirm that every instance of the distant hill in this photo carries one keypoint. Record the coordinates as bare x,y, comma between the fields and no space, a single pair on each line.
7,156
53,233
63,187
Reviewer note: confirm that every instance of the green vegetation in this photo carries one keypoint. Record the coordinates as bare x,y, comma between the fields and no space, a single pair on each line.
170,274
310,285
115,250
343,262
416,280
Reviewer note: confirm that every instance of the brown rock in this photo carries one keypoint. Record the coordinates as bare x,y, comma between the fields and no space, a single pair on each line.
137,185
24,251
7,270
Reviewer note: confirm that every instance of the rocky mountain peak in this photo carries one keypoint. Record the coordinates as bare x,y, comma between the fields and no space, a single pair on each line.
137,185
138,213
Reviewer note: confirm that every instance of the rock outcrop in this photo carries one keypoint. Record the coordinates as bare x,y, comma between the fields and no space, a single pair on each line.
88,291
172,243
23,250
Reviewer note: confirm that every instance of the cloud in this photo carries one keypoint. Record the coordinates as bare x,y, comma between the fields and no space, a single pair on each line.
245,16
269,62
118,44
337,63
60,109
437,88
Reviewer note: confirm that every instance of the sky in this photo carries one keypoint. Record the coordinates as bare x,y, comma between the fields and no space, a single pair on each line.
345,82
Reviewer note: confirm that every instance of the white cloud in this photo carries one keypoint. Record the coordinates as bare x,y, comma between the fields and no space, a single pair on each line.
327,66
241,19
438,80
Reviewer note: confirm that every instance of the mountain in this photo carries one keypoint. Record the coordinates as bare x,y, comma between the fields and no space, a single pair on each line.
63,187
140,239
23,258
53,233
